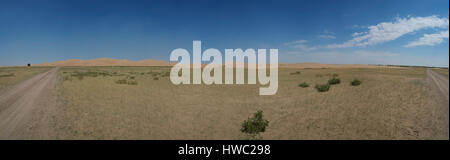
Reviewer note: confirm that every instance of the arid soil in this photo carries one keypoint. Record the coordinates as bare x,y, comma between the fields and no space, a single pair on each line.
391,103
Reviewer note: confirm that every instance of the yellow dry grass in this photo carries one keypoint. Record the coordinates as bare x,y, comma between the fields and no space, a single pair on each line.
391,103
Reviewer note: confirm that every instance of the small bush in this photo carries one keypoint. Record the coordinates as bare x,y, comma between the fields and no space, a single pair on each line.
155,78
355,82
322,87
334,80
303,85
253,126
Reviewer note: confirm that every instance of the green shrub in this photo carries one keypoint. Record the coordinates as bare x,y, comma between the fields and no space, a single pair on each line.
303,85
334,80
155,78
253,126
322,87
355,82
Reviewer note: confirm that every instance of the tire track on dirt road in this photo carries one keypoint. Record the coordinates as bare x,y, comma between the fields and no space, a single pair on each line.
18,102
440,81
440,114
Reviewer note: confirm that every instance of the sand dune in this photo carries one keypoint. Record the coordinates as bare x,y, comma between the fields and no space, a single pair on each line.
106,62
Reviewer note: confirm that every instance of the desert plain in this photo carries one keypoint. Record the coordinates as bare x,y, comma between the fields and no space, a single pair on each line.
120,99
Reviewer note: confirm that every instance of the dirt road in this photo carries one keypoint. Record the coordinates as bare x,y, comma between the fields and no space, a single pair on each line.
440,114
18,104
440,81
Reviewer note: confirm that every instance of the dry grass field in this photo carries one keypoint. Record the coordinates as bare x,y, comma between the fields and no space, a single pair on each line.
142,103
13,75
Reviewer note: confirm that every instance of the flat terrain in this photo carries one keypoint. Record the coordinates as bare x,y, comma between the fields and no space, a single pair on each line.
142,103
17,104
13,75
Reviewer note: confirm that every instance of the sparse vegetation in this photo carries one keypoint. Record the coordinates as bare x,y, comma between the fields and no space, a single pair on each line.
7,75
295,73
165,74
303,85
148,111
322,87
253,126
121,81
128,81
355,82
131,82
81,75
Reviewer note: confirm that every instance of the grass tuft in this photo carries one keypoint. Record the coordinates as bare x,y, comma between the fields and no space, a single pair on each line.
303,85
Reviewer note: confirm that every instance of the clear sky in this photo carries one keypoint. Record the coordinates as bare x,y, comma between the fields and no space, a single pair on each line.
413,32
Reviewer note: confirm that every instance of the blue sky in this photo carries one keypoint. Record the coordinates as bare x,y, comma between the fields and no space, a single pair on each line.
363,32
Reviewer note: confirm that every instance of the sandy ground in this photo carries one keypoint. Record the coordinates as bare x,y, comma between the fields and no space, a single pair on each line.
18,104
439,85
